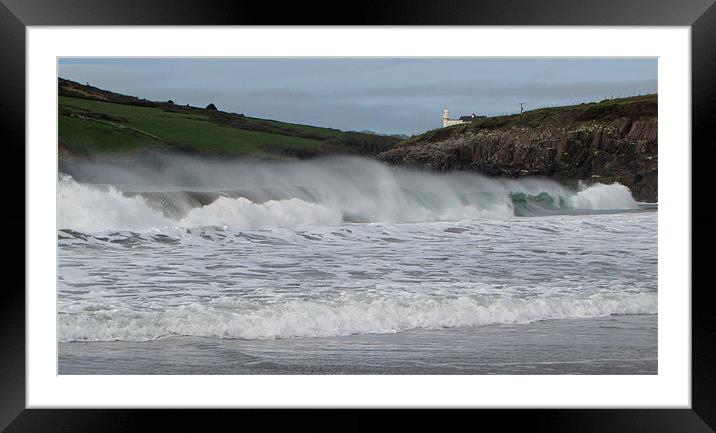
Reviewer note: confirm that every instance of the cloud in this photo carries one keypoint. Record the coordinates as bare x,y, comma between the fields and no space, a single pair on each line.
502,89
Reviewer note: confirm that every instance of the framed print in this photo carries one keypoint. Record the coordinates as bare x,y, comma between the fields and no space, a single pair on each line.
230,207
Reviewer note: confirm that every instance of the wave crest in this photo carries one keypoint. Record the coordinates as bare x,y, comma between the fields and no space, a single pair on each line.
242,213
601,196
321,193
94,208
343,315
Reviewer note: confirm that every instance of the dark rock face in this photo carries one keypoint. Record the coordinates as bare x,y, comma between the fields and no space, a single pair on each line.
568,149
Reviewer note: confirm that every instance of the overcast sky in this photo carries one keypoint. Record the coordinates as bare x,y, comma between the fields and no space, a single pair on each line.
403,95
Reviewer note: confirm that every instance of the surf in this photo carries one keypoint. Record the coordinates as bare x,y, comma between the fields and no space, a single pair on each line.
326,192
340,315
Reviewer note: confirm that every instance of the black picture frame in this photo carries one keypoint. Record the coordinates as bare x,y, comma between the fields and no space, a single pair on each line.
16,15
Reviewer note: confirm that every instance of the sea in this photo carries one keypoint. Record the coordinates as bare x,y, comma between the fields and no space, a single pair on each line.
343,265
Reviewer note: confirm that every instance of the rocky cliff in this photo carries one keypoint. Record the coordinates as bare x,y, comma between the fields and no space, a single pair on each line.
610,141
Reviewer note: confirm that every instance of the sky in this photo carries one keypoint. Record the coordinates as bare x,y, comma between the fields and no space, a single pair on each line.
385,95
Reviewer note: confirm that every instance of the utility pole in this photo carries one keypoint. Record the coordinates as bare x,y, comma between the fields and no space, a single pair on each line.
522,106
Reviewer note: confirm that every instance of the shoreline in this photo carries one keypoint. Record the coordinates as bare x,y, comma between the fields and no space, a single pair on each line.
614,344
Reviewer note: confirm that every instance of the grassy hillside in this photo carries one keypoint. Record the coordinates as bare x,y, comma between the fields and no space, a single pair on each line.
602,112
613,140
94,122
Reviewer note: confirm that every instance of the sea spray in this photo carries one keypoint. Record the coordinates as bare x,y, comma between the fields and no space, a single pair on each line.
350,278
95,208
242,213
600,196
296,195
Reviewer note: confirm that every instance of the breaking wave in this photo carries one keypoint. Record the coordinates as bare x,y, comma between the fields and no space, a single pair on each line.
242,213
230,318
91,208
313,193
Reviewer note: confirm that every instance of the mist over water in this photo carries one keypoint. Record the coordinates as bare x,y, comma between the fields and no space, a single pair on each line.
178,246
184,192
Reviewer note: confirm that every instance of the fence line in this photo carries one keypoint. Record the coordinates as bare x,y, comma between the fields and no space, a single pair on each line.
568,104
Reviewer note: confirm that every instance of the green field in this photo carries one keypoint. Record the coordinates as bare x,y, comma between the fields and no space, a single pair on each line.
601,112
121,128
87,137
94,121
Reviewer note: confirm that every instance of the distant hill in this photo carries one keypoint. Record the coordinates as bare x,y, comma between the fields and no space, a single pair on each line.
614,140
95,122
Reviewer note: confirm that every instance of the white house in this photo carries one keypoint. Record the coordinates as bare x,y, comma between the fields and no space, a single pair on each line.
447,121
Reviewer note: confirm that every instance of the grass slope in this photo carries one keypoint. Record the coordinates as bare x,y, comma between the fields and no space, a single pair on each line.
601,112
127,127
93,121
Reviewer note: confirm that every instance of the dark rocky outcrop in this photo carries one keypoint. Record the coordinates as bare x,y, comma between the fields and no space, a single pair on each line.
610,141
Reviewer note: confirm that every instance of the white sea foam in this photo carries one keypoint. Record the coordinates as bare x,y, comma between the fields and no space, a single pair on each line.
353,278
227,317
338,247
600,196
242,213
316,193
94,208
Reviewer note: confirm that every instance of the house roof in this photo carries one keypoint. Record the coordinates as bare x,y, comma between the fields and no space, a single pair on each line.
466,118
